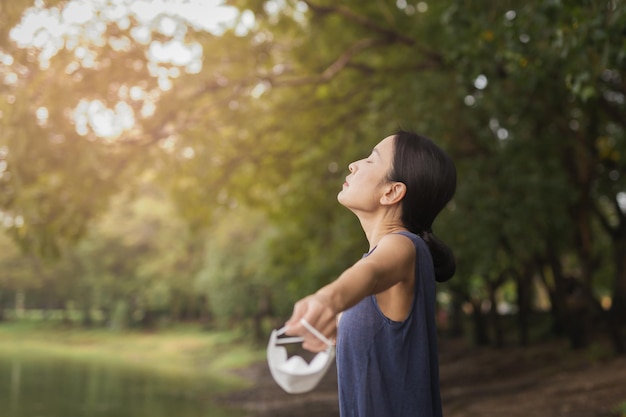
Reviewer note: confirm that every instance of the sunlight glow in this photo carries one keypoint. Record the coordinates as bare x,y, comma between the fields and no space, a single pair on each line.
259,89
4,174
175,52
469,100
188,152
273,10
168,144
621,201
42,116
104,122
10,79
80,26
6,59
9,221
510,15
500,132
410,9
481,82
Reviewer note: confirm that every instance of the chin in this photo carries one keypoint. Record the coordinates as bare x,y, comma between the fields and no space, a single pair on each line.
342,200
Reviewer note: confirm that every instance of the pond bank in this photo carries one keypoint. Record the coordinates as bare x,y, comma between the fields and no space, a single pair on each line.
181,350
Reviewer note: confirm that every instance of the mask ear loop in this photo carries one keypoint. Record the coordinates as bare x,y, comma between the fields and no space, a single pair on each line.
287,340
317,333
307,325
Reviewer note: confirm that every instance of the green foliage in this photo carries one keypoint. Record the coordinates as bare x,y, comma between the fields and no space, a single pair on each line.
620,409
223,189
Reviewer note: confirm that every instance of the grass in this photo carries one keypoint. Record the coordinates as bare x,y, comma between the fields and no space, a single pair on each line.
620,410
184,350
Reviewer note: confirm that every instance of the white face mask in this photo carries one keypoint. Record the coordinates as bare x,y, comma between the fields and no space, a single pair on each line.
294,374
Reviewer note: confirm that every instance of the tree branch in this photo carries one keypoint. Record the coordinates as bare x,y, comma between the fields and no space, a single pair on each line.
332,70
373,26
621,227
616,114
345,61
611,231
360,20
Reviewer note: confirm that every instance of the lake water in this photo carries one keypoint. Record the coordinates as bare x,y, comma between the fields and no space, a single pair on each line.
51,387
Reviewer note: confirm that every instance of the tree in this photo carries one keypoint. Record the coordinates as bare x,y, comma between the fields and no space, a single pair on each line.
528,98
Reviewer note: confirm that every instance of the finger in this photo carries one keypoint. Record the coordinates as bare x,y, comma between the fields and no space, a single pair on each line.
325,322
317,313
314,345
330,331
293,326
319,316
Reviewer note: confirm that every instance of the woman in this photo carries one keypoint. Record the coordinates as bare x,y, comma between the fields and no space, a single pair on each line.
387,359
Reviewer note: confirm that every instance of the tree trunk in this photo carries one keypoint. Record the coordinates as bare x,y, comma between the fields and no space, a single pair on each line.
558,296
20,304
594,310
496,321
87,318
481,336
66,314
577,313
523,303
2,306
615,318
617,313
555,310
106,316
456,316
264,309
206,314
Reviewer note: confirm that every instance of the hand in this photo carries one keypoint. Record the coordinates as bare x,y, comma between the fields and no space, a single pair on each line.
317,311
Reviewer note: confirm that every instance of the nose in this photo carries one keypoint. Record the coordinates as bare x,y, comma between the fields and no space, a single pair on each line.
351,167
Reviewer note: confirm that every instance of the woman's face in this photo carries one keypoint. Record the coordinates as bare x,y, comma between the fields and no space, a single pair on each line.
364,185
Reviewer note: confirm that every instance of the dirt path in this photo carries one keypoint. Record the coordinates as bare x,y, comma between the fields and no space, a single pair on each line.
541,381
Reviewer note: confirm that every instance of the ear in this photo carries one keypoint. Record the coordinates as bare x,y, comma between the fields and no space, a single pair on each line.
394,193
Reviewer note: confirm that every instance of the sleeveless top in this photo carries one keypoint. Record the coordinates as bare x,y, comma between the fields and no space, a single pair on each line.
387,368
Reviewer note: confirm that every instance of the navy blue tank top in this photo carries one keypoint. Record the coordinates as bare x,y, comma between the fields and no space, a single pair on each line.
388,368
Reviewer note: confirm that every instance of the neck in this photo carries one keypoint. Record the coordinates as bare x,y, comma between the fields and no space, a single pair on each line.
377,227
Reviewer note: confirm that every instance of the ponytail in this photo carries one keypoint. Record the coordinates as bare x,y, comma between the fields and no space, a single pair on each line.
443,258
430,178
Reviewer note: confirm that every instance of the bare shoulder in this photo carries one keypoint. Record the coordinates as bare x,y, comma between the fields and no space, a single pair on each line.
396,242
394,251
395,258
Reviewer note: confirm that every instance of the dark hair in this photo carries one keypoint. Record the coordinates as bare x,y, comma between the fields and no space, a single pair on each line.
430,178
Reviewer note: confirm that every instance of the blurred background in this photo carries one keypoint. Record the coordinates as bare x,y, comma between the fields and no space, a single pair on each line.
168,174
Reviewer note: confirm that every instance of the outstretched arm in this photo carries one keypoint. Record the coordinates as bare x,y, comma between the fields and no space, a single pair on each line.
382,269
